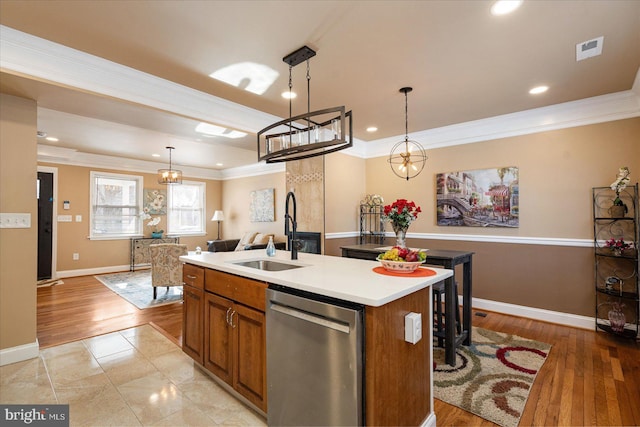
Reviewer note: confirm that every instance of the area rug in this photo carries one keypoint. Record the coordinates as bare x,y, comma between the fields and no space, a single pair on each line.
492,377
135,287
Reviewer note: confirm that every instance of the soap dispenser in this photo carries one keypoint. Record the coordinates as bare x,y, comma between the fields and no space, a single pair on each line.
271,248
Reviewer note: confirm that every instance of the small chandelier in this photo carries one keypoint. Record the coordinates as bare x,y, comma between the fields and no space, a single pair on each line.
407,157
169,176
306,135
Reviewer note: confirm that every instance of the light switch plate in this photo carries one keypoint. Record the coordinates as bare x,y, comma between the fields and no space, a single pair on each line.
15,220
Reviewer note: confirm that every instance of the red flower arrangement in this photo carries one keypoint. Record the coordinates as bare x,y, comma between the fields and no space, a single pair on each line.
401,213
617,245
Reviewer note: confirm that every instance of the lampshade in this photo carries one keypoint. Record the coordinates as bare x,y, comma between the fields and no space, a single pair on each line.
306,135
218,216
169,176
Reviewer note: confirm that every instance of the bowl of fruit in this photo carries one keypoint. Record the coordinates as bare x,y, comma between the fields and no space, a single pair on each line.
402,260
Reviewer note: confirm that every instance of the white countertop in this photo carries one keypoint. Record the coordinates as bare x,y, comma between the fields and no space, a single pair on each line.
343,278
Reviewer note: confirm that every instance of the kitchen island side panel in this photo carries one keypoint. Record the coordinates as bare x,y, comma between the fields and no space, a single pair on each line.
398,373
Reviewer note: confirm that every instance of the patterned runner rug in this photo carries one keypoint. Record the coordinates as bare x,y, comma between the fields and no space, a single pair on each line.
135,287
492,377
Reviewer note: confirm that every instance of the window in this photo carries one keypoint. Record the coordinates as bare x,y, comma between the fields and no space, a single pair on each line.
116,201
186,208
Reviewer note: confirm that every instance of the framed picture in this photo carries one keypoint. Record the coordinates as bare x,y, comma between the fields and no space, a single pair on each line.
261,208
155,201
478,198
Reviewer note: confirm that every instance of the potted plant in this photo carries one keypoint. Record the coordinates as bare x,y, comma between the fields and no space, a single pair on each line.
619,209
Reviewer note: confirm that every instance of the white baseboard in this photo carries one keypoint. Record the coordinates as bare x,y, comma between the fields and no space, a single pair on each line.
19,353
92,271
567,319
430,421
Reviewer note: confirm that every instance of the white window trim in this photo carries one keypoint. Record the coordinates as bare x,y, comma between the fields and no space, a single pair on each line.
139,202
203,232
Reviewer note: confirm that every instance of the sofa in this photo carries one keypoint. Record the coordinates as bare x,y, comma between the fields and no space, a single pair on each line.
249,241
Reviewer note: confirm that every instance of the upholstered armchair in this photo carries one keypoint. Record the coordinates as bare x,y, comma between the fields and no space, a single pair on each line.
166,267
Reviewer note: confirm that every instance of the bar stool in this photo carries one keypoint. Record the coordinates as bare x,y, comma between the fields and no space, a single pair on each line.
438,312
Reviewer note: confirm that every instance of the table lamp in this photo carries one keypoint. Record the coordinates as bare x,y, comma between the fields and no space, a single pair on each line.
218,216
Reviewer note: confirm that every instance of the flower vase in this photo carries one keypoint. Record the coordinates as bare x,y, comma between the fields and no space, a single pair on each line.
401,235
156,234
617,320
617,252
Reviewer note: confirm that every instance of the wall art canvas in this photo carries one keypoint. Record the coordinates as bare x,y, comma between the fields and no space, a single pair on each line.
478,198
262,205
155,201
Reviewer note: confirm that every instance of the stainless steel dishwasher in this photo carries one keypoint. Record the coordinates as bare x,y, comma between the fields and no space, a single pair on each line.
314,361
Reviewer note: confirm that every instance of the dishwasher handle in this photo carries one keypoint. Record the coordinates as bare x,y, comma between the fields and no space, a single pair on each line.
309,317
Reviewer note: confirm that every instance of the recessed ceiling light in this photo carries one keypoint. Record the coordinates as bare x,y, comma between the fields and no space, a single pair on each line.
155,155
289,95
538,90
372,129
41,134
219,164
52,139
503,7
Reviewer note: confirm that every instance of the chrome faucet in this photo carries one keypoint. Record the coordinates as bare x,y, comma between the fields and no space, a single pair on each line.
295,244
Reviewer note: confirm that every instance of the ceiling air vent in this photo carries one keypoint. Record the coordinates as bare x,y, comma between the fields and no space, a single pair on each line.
589,48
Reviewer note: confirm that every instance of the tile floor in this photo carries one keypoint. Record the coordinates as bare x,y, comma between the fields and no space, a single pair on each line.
132,377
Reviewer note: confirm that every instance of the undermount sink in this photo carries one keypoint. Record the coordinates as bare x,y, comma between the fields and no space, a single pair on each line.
267,265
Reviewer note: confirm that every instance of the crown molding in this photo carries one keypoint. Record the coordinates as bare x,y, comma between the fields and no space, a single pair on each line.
27,55
255,169
599,109
66,156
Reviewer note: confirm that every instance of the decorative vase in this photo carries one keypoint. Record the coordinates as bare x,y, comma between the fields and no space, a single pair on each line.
617,211
617,252
401,235
156,234
617,320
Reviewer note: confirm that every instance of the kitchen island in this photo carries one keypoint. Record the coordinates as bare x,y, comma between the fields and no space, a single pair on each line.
397,374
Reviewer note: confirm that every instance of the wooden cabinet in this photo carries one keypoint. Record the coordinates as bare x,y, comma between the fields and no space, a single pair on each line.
235,334
193,312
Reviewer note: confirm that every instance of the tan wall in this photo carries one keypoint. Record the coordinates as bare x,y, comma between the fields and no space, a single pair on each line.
73,185
18,266
235,202
557,171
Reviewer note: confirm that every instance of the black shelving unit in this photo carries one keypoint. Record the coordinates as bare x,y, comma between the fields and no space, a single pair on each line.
616,274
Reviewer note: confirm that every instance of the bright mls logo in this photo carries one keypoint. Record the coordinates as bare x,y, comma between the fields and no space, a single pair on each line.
34,415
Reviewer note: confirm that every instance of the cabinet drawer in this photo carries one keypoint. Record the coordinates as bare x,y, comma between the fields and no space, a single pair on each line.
245,291
193,275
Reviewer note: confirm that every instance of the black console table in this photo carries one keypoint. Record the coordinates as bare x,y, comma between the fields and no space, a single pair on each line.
140,252
447,259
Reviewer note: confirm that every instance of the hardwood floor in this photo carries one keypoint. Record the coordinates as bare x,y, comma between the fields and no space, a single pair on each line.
83,307
588,379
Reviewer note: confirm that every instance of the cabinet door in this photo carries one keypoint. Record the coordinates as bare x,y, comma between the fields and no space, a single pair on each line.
193,323
249,374
218,346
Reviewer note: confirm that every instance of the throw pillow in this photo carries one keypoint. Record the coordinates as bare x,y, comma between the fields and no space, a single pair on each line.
261,239
246,240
